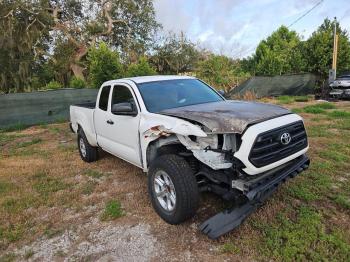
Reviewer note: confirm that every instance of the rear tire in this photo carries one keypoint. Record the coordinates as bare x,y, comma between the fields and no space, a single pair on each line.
87,152
179,184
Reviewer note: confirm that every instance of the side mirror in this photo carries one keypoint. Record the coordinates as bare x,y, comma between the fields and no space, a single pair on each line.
126,109
221,92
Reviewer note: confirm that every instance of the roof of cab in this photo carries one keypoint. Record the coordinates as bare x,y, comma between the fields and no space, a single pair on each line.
144,79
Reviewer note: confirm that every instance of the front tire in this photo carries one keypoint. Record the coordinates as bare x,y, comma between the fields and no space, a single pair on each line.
87,152
173,189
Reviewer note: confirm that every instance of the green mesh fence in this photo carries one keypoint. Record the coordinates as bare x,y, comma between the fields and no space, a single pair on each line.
41,107
262,86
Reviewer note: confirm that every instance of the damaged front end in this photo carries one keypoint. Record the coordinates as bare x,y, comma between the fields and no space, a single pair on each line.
221,161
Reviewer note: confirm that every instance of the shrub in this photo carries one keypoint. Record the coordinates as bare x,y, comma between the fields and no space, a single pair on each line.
53,85
77,82
103,65
141,68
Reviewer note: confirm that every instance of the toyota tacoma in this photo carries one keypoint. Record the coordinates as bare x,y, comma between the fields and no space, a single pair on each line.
189,139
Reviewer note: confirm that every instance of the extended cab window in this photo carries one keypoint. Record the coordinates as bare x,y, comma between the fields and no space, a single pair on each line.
103,103
122,95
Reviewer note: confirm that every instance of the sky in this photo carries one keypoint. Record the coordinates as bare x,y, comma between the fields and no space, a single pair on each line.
235,27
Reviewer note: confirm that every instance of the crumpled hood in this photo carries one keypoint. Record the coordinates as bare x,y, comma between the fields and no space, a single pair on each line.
229,116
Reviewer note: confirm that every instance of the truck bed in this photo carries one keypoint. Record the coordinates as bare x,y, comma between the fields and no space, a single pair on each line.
90,105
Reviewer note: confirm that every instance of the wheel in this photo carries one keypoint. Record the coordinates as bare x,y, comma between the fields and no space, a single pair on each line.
87,152
173,189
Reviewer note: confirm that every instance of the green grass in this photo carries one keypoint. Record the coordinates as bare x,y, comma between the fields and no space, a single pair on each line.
29,143
313,110
343,124
12,233
88,188
112,210
6,187
9,257
339,114
15,127
93,173
302,238
325,105
318,131
285,99
229,248
45,185
342,201
303,192
334,155
297,110
318,108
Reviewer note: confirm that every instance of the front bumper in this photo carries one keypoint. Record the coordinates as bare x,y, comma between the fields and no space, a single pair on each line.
257,191
340,93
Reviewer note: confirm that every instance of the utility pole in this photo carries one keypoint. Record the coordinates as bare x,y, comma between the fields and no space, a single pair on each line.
335,45
333,72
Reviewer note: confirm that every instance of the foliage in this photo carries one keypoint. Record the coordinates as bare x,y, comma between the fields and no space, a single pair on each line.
60,61
77,82
279,54
53,85
319,49
219,71
30,30
141,68
23,40
175,54
104,64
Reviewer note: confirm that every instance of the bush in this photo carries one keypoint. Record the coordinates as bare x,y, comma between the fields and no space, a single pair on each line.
103,65
53,85
141,68
77,82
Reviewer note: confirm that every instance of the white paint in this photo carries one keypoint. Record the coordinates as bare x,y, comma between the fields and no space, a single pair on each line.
250,135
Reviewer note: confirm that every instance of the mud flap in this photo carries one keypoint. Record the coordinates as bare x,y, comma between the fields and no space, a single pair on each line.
229,219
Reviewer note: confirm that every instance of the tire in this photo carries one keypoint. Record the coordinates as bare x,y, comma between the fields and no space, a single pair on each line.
183,183
90,153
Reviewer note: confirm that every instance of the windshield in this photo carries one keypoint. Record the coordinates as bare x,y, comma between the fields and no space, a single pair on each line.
161,95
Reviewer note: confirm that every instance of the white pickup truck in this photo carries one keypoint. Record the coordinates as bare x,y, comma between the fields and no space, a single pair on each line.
189,139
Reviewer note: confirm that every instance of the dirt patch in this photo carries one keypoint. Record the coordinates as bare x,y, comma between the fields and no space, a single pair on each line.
96,241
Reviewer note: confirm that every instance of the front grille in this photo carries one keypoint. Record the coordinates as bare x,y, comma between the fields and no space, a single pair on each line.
268,147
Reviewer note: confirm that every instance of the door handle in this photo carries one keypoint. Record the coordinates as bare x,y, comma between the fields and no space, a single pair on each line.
110,122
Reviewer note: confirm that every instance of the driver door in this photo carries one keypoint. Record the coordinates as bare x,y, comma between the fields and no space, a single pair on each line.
122,129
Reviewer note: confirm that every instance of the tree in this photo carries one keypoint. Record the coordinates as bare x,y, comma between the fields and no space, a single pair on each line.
124,25
24,39
141,68
28,28
319,49
220,71
175,54
279,54
103,64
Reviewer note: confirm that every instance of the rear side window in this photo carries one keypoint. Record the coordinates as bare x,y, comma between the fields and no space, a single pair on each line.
103,103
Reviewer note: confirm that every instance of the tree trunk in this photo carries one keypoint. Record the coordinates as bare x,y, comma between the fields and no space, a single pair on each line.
76,68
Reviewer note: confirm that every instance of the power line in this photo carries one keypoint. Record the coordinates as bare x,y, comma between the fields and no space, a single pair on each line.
306,13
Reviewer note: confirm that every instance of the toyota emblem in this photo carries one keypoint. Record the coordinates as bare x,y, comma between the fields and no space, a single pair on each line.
285,138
